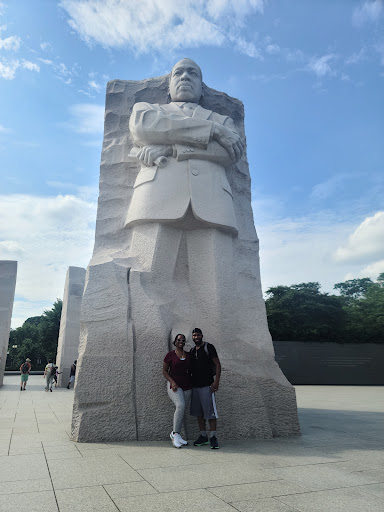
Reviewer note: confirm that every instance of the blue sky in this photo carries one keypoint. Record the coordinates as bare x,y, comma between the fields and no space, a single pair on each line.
310,74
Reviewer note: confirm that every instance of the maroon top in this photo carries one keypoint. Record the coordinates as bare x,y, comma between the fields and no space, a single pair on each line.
179,369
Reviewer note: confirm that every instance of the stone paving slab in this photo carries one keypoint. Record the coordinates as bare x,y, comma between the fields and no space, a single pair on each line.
336,465
31,501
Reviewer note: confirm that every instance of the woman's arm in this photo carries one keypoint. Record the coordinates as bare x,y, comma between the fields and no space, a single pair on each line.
174,386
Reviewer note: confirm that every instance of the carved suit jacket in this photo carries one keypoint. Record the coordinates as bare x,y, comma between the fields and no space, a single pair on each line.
195,174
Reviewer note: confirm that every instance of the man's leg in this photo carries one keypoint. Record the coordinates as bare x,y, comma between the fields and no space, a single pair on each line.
211,279
152,293
201,422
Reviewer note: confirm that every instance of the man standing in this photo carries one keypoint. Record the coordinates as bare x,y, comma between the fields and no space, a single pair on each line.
206,371
25,368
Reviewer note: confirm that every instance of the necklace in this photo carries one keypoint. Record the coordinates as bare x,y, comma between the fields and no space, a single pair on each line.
182,355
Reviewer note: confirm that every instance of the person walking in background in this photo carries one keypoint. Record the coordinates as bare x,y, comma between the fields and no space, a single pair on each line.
48,374
55,374
25,368
176,371
206,371
72,375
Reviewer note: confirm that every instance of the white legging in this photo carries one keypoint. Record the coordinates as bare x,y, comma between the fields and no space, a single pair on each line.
180,398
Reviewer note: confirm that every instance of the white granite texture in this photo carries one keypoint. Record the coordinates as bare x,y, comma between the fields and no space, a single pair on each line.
146,282
69,335
8,272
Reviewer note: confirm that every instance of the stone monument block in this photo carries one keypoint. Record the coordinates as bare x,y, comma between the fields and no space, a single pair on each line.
175,248
8,272
69,335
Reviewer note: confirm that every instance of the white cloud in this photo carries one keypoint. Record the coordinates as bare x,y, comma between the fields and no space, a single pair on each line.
45,46
373,271
328,188
357,57
45,235
8,68
272,49
61,71
299,250
368,11
94,85
321,66
366,243
87,118
10,43
26,64
148,25
246,47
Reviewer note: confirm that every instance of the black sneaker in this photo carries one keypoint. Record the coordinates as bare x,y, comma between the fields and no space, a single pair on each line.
214,443
201,440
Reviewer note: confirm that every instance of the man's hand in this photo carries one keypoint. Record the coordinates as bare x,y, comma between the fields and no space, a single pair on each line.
214,387
174,386
228,140
148,154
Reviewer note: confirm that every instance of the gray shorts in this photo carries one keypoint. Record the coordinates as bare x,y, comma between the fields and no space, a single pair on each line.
203,403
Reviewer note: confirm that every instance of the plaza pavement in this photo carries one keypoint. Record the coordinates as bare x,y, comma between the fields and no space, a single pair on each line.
336,465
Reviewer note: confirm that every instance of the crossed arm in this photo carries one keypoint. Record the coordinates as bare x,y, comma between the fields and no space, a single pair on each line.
162,133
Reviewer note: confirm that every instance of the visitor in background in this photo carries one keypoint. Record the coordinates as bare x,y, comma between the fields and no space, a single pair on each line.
48,374
55,374
25,368
176,370
72,374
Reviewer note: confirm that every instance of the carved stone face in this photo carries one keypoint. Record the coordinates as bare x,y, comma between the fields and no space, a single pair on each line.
185,83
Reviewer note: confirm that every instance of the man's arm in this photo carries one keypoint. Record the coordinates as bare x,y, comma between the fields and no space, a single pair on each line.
216,382
149,125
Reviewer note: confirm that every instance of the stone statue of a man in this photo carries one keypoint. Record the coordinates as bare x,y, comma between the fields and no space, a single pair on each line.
199,145
175,247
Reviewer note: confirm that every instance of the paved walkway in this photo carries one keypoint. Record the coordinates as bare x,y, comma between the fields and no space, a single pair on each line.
337,464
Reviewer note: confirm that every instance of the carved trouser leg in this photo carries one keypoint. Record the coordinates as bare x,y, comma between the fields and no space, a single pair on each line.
212,283
153,252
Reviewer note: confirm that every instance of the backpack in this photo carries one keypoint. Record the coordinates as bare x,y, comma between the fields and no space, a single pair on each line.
211,363
25,368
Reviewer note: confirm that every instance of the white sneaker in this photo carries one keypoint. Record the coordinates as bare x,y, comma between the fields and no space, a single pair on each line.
175,441
181,440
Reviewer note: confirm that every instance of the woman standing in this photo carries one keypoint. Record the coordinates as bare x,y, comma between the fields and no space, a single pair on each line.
48,374
176,370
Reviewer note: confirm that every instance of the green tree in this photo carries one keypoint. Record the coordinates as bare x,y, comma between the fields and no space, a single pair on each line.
37,339
302,313
364,316
354,288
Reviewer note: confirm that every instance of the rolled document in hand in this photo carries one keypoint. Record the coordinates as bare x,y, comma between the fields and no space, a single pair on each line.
160,161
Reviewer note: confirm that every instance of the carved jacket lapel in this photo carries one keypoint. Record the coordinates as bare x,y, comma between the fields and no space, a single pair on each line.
202,113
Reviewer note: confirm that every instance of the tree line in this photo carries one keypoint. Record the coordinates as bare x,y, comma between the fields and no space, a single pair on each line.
37,339
301,312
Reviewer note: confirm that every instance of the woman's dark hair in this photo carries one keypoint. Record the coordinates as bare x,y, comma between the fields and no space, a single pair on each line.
50,361
177,335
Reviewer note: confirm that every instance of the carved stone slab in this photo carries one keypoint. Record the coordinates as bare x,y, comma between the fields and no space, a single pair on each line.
127,323
69,335
8,271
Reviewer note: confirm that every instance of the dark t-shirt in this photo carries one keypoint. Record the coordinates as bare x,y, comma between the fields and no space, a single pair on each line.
201,366
179,369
